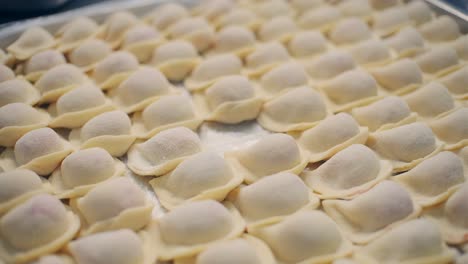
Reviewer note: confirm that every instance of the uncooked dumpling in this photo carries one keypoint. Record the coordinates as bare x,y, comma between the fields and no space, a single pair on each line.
16,119
212,9
304,5
284,76
42,62
88,53
419,12
205,175
434,179
390,20
441,29
452,128
319,18
438,61
382,5
307,43
265,57
268,10
113,69
416,241
457,82
331,135
76,31
165,15
53,259
278,28
461,47
239,17
399,76
234,39
271,154
141,40
163,152
349,31
348,173
330,65
407,41
44,216
6,73
195,30
105,207
430,100
295,109
116,25
18,91
371,52
372,213
32,41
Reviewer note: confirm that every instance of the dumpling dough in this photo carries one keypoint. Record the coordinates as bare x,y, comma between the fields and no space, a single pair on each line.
272,198
114,204
176,59
331,135
115,27
231,99
372,213
307,43
163,152
348,173
195,30
212,9
371,52
304,5
349,31
434,179
390,20
319,18
140,89
399,77
416,241
268,10
308,236
452,128
89,53
18,91
141,40
407,41
405,146
438,61
240,17
282,77
461,47
293,110
16,119
112,70
76,107
457,82
234,39
330,65
430,100
387,112
6,73
177,235
279,28
265,57
356,8
44,216
419,12
271,154
165,15
16,186
42,62
76,31
441,29
205,175
110,131
32,41
53,259
83,169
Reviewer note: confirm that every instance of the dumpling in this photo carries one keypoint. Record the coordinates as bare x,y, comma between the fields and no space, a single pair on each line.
41,62
330,65
211,69
18,91
265,57
371,52
82,170
441,29
234,39
320,18
268,10
457,82
430,100
163,152
301,6
382,5
16,119
348,173
388,112
239,17
40,150
53,259
76,107
435,179
114,204
76,31
212,9
356,8
271,154
32,41
307,44
399,77
308,236
461,47
177,235
89,53
6,74
349,31
419,12
16,186
293,110
406,145
416,241
165,15
331,135
350,89
110,131
59,80
390,20
203,176
246,250
230,100
42,215
280,28
452,128
284,76
118,247
438,61
167,112
272,198
116,25
407,42
195,30
140,89
374,212
112,70
141,40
